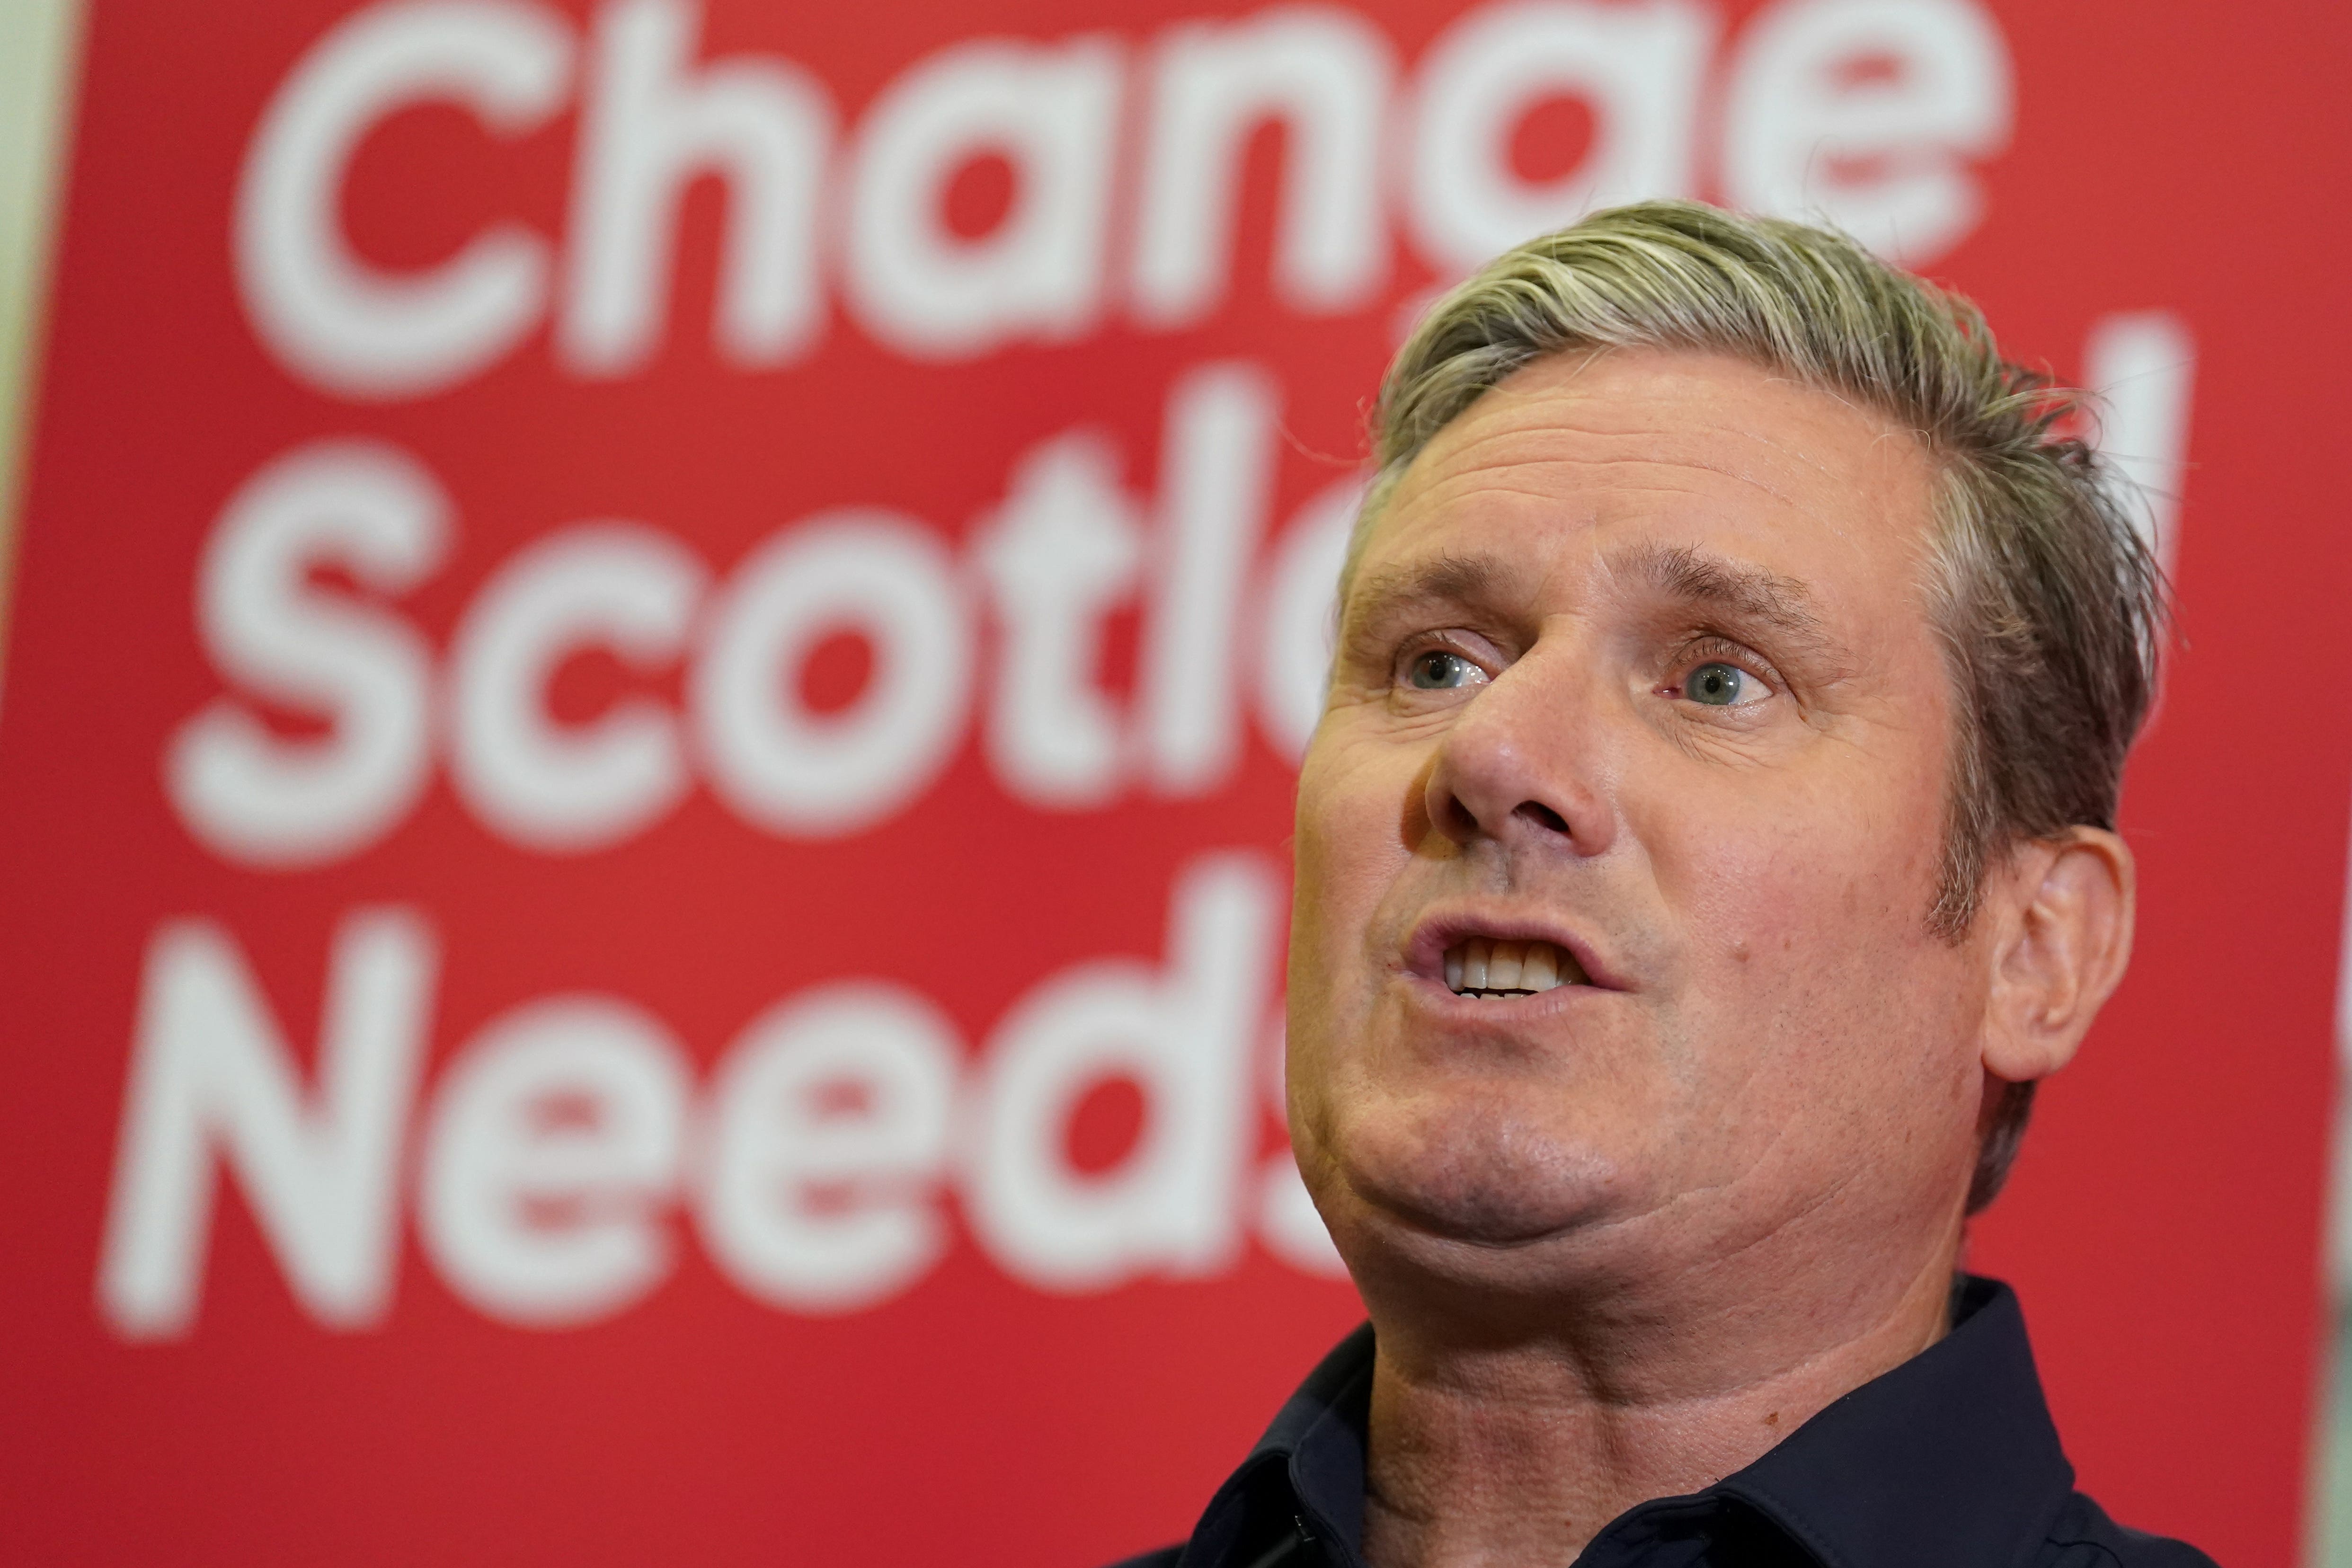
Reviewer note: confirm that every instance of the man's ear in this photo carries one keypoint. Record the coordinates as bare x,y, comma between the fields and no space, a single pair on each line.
2063,934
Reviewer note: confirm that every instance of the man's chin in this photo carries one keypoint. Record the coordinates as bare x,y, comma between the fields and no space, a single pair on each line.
1489,1200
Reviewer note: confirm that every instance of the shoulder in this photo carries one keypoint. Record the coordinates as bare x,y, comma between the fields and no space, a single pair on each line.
2083,1536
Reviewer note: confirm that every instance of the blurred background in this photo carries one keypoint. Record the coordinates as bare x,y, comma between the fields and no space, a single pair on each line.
654,654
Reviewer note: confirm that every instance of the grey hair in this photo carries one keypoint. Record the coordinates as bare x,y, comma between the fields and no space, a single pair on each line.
2049,606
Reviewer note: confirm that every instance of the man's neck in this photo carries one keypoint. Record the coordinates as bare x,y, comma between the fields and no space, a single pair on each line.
1520,1448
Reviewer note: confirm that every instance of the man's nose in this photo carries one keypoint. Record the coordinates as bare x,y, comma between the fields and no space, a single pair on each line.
1522,763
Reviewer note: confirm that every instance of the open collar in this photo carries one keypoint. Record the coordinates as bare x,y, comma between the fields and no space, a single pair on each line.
1949,1459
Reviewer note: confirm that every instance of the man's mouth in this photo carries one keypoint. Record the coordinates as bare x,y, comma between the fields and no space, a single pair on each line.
1482,966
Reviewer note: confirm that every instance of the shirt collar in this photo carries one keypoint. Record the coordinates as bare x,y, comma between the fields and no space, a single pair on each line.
1949,1458
1307,1472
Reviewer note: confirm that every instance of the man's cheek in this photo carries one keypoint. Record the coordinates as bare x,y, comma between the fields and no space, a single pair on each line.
1758,906
1350,844
1333,793
1801,892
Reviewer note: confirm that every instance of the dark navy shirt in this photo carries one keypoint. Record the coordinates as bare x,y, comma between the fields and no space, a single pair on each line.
1947,1461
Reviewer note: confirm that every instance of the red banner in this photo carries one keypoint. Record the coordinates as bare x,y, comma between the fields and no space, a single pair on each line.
656,655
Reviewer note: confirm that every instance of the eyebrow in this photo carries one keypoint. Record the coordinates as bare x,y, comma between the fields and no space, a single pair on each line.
1706,581
1448,579
1697,582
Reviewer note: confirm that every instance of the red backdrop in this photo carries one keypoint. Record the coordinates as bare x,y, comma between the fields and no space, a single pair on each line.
646,747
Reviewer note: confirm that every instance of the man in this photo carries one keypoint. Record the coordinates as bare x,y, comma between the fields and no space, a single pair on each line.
1706,846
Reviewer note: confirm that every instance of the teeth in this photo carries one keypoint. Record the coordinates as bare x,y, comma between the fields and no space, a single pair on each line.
1483,967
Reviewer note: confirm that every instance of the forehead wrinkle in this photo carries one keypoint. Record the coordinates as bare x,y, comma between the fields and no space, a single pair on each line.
1452,576
1527,413
1510,395
1527,481
1589,459
1467,463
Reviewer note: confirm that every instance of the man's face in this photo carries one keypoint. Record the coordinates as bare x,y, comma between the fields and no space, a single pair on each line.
1637,682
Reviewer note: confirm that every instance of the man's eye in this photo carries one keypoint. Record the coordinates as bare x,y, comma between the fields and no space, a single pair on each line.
1438,671
1722,686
